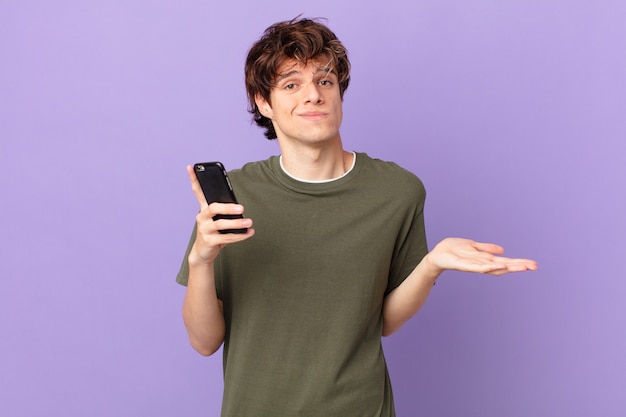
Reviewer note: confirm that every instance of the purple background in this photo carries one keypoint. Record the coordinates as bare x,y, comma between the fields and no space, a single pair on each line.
513,113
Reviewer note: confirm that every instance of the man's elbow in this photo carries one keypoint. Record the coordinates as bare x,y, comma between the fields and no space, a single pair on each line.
388,330
205,349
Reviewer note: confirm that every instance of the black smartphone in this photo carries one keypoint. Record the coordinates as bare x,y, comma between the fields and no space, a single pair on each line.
216,188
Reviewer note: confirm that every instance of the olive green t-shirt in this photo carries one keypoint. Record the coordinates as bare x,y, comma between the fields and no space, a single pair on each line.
303,297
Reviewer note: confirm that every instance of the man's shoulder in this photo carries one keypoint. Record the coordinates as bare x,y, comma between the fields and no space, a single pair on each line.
254,169
390,172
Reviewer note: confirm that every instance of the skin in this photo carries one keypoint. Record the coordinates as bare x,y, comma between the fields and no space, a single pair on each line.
306,110
203,313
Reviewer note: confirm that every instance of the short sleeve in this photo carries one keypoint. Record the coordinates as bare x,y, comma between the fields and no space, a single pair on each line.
411,244
183,273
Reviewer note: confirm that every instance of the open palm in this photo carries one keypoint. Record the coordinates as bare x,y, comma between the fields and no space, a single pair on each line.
470,256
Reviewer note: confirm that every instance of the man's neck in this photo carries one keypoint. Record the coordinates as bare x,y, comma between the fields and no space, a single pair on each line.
316,164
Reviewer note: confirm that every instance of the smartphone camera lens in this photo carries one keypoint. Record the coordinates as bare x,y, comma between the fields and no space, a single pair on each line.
200,168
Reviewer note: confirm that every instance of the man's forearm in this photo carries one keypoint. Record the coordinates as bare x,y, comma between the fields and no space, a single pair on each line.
202,310
406,300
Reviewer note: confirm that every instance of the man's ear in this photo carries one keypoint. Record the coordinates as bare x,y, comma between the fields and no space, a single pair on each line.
264,106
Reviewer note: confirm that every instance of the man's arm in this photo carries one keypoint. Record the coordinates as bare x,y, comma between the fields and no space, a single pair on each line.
202,311
453,254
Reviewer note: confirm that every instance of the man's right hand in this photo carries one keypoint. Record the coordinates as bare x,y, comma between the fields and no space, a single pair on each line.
209,240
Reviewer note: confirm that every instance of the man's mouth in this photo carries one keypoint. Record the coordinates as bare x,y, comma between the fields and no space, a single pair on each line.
313,115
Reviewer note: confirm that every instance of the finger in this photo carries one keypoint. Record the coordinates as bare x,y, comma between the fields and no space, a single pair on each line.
224,239
518,262
498,272
228,238
195,187
224,208
510,270
515,267
492,268
230,224
488,247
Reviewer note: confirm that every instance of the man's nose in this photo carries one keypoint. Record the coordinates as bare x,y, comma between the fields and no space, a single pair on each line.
312,93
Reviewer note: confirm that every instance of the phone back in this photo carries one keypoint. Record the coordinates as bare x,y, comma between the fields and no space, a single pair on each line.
214,182
216,188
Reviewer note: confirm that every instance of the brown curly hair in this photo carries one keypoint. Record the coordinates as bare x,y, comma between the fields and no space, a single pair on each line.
300,39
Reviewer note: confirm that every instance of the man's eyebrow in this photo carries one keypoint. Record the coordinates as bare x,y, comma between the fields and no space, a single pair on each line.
328,69
286,75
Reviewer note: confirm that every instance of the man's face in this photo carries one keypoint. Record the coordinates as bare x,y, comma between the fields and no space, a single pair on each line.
305,105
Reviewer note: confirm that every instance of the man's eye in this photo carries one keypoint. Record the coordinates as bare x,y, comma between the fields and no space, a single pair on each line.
326,82
290,86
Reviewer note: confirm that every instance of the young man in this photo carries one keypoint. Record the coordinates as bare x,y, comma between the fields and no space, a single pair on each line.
337,257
